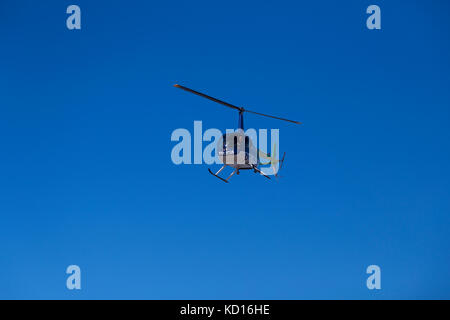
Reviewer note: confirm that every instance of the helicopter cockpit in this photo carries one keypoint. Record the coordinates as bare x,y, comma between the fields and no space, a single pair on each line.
237,149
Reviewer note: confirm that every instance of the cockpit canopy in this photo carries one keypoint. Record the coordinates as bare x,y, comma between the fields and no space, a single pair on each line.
235,142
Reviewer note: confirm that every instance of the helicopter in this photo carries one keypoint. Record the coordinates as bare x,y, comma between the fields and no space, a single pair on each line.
236,149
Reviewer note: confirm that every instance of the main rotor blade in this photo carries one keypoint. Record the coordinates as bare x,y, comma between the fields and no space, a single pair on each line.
266,115
230,105
208,97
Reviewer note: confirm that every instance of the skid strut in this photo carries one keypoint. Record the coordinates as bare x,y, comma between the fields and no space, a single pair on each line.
220,170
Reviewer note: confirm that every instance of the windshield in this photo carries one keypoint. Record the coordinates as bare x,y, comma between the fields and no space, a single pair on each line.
235,141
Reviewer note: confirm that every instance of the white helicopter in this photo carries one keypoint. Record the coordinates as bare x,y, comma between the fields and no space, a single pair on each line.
236,149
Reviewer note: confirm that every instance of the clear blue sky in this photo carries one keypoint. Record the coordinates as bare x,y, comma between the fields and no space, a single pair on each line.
86,176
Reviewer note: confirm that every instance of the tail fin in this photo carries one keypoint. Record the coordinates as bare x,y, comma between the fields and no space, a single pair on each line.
281,164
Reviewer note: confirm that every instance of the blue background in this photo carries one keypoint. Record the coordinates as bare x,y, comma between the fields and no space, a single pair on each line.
86,176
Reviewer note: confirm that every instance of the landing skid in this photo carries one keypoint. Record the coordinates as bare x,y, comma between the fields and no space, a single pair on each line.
217,176
255,169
